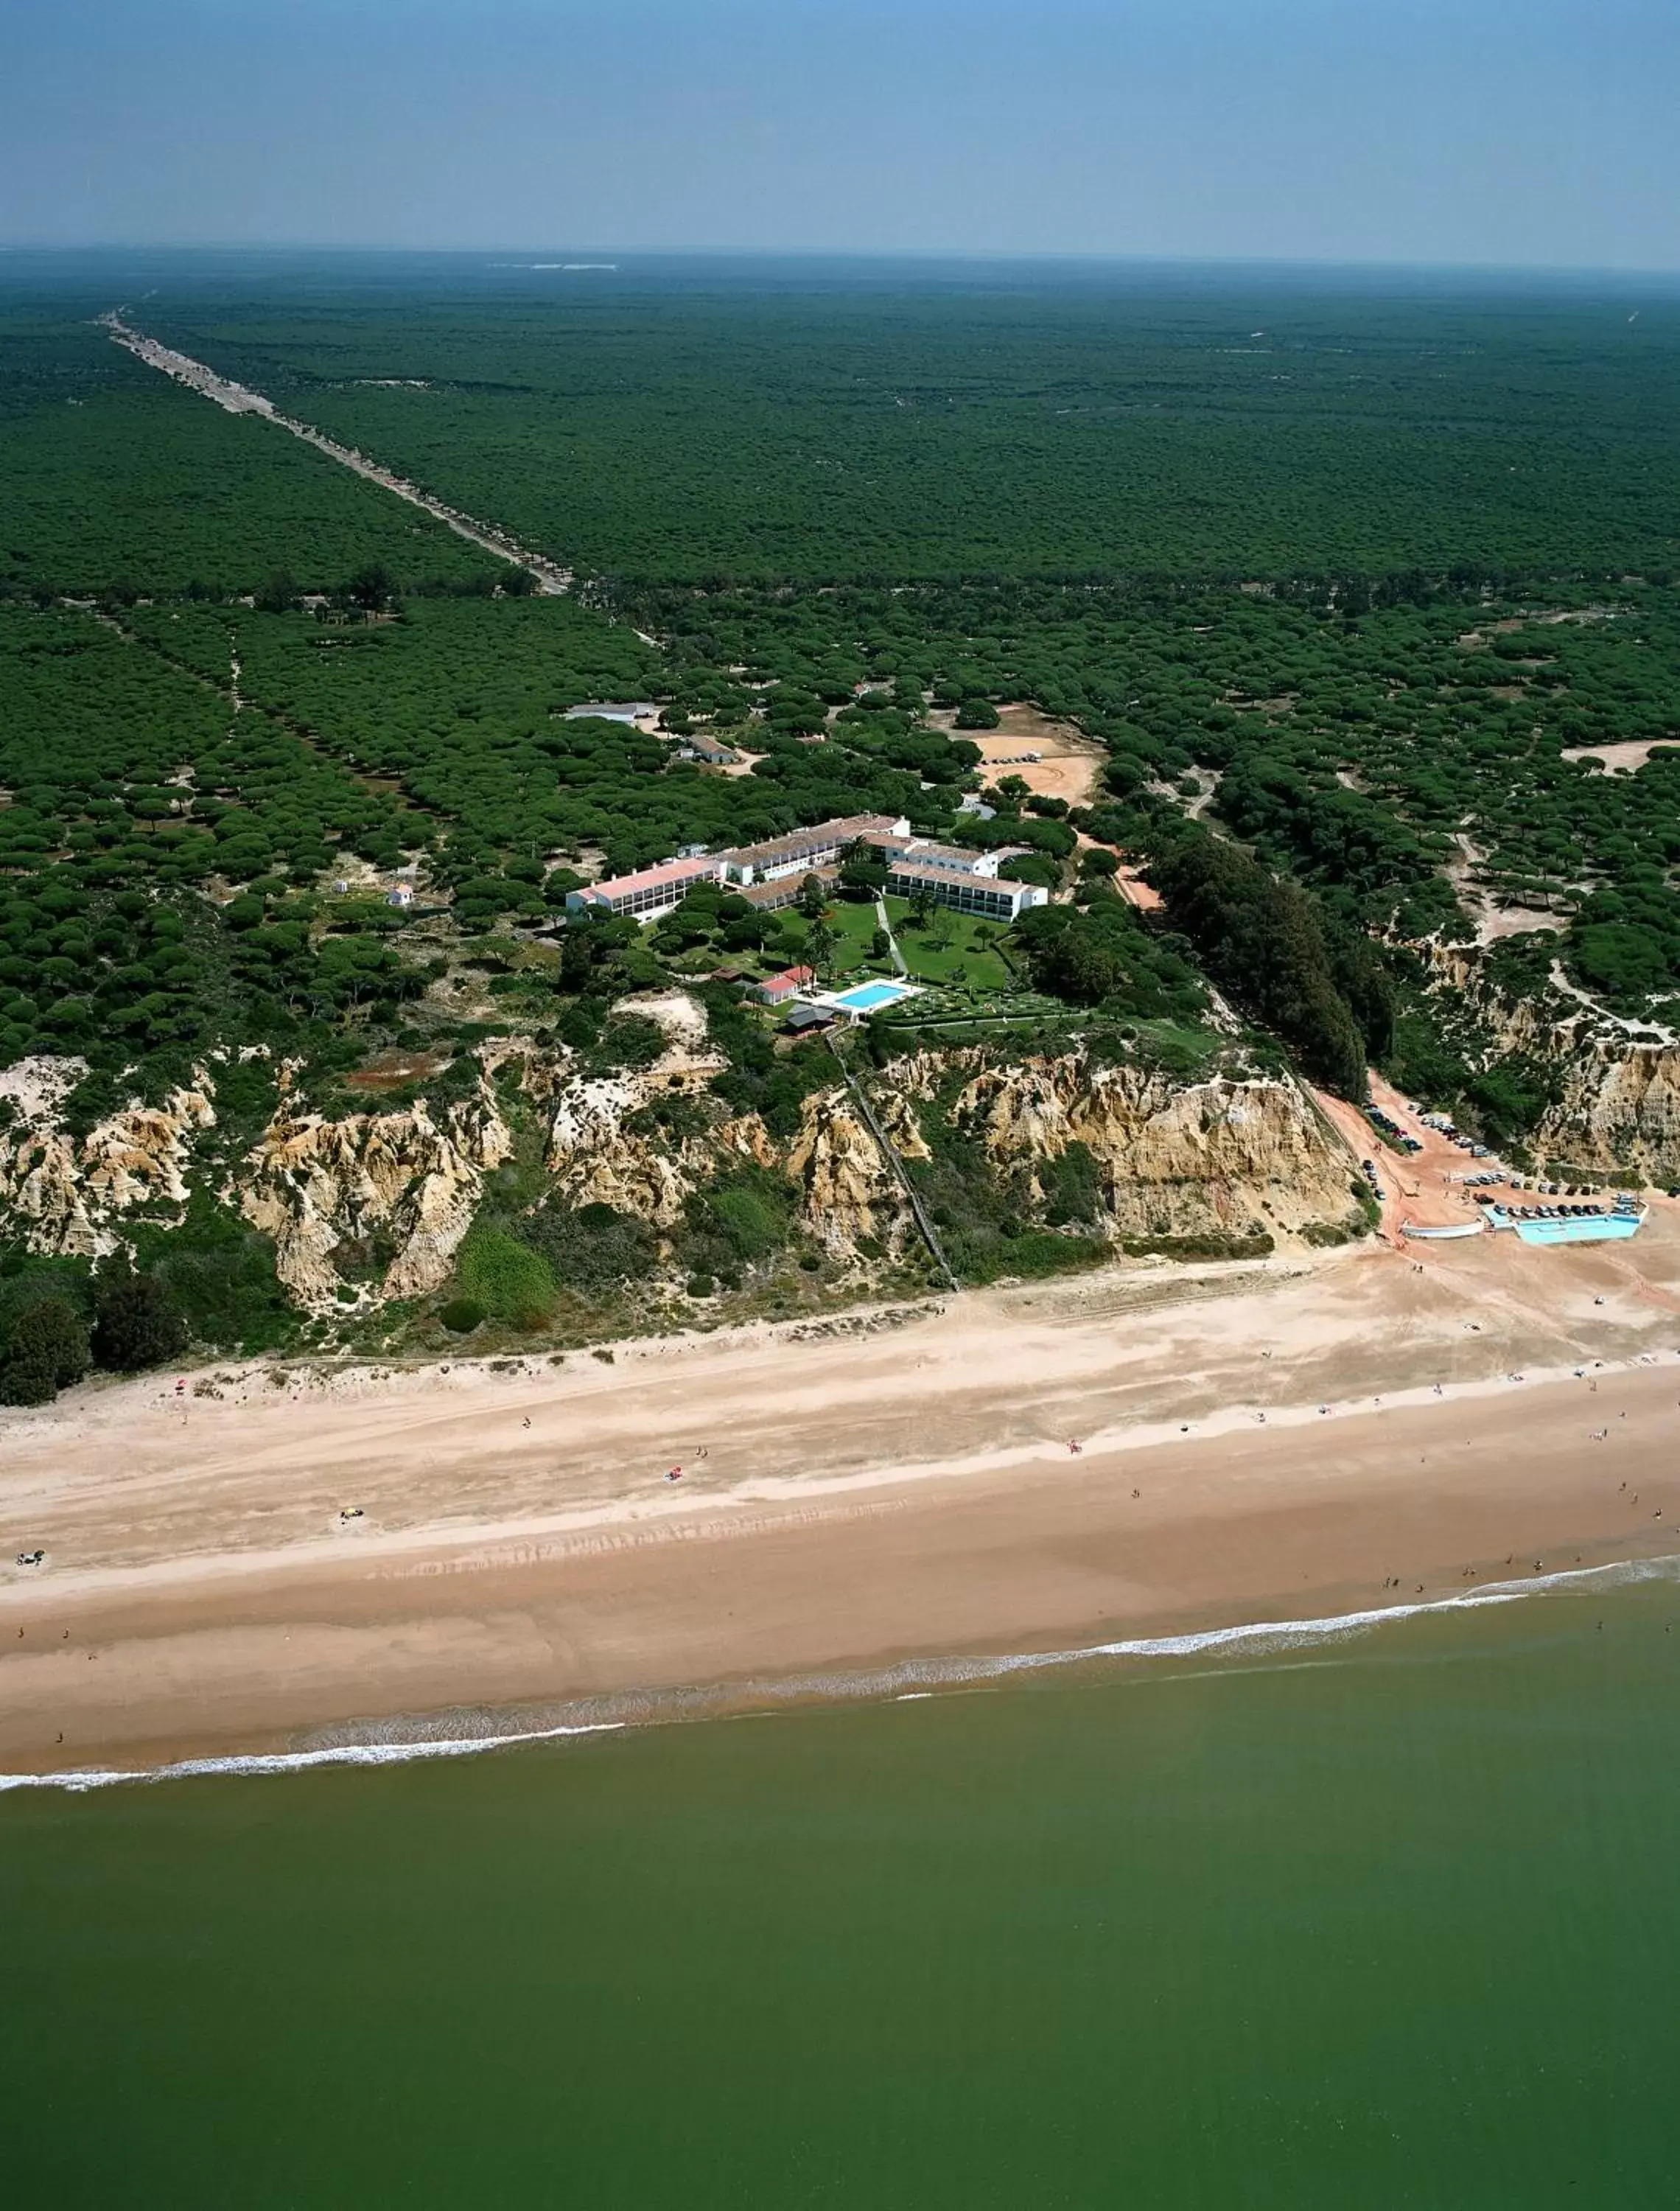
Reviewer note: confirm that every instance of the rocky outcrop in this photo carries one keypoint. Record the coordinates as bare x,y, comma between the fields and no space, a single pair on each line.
407,1179
67,1195
746,1138
1620,1107
597,1161
374,1206
1618,1103
1224,1155
847,1188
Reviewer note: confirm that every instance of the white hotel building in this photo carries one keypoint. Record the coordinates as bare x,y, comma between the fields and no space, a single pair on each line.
949,875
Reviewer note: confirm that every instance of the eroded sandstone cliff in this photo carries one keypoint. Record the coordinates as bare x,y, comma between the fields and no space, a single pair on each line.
368,1207
1221,1156
65,1195
1620,1107
405,1179
1617,1082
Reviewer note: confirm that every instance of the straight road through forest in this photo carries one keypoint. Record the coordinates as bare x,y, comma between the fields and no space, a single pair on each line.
550,577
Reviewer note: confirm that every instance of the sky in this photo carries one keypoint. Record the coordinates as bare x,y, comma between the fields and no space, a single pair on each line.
1521,133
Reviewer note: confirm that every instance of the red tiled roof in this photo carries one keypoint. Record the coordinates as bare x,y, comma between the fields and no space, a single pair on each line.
648,879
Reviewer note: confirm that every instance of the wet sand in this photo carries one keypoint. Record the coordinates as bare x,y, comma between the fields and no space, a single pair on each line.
904,1493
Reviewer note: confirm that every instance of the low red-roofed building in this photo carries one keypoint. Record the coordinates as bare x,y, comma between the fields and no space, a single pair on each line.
777,990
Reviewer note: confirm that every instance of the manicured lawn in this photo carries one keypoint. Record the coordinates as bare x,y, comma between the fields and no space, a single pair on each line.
967,959
854,922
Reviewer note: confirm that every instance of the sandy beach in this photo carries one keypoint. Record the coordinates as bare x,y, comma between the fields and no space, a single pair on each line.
883,1488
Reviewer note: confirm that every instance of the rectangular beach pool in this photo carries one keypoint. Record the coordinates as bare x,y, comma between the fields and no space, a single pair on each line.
1600,1228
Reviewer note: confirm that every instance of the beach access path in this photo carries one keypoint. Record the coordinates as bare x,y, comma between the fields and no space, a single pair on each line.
906,1491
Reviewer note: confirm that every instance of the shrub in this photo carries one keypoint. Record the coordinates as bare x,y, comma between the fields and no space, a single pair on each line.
1073,1186
219,1274
700,1286
1030,1254
628,1040
135,1322
742,1219
460,1315
506,1278
590,1248
1215,1244
46,1350
1326,1235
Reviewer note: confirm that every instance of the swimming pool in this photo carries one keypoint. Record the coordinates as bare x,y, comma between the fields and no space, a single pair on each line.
1596,1229
870,997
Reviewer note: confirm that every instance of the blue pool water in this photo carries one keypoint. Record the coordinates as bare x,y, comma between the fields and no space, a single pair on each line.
1605,1227
868,997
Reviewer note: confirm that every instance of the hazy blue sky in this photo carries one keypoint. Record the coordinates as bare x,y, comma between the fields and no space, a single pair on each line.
1539,131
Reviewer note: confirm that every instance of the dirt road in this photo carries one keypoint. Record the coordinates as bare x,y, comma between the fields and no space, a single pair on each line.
551,578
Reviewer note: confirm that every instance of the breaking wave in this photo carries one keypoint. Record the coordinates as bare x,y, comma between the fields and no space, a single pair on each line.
473,1734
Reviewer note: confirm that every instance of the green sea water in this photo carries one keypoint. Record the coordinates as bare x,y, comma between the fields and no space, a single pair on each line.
1391,1920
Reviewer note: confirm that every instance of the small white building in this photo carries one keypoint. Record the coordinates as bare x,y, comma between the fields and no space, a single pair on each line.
630,711
402,895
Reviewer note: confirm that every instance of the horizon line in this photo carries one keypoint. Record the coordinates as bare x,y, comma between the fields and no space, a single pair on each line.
962,255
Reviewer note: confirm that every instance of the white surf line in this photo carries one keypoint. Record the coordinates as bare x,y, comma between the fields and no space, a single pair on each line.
552,580
915,1681
77,1779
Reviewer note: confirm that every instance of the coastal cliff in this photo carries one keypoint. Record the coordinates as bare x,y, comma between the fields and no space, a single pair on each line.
411,1180
1613,1084
1225,1155
1619,1107
67,1196
368,1209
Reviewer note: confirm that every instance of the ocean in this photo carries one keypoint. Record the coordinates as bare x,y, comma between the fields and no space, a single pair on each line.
1385,1916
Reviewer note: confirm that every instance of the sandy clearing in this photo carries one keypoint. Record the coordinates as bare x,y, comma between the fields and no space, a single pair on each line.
1498,922
1072,762
1626,758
